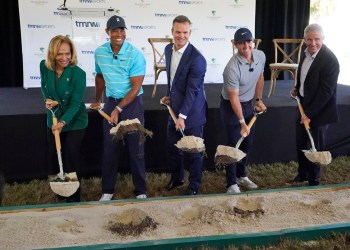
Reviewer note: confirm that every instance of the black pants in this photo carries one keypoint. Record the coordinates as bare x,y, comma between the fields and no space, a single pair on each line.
70,150
308,170
233,134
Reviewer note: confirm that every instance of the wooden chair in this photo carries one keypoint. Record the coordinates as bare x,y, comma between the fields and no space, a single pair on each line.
257,41
158,46
287,58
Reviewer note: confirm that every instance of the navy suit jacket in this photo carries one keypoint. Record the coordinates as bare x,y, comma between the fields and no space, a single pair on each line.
320,88
187,95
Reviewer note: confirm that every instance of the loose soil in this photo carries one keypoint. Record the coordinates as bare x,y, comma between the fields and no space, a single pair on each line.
129,221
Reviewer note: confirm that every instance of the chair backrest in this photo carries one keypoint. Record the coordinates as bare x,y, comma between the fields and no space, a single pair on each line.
158,46
287,50
256,41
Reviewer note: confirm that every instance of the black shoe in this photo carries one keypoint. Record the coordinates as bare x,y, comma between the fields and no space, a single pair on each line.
297,179
190,191
74,197
314,183
173,184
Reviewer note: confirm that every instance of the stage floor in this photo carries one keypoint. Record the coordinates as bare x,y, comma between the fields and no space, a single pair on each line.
23,150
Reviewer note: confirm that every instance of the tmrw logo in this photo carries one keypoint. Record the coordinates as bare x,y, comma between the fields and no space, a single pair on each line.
92,1
213,39
41,26
87,24
165,15
143,27
87,52
231,27
34,77
191,2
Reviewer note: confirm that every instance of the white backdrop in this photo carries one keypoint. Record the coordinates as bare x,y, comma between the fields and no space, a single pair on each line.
214,23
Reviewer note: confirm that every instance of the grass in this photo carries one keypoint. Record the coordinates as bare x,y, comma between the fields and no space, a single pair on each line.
268,176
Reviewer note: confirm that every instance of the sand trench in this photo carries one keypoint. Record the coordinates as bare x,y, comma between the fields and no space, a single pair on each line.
129,221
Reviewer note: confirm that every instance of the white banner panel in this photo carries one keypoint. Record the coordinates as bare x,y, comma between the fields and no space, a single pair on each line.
214,24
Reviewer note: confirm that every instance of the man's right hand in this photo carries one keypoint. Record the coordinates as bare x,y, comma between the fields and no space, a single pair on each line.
294,92
95,105
165,100
244,130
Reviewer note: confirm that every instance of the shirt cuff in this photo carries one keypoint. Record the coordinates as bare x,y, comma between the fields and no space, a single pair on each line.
182,116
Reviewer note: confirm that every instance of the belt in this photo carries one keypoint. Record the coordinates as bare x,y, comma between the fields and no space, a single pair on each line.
242,103
114,99
247,102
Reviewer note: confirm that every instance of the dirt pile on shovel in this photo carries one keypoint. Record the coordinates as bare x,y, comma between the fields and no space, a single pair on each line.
132,222
127,126
226,155
191,144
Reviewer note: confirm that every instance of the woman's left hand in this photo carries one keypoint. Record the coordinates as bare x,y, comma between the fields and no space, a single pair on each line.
58,127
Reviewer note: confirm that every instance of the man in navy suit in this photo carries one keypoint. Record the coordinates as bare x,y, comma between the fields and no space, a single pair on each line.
317,89
185,67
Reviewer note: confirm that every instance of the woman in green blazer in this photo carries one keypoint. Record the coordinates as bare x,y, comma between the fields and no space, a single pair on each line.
64,82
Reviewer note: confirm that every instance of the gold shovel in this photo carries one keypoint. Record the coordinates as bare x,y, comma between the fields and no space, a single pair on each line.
66,184
226,155
190,144
322,157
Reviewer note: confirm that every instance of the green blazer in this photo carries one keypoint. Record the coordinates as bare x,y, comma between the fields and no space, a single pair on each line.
68,91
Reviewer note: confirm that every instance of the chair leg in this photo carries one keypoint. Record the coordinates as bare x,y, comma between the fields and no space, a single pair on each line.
271,83
155,84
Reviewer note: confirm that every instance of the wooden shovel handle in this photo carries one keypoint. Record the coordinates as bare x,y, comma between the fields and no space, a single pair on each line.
57,135
172,114
251,123
302,112
107,117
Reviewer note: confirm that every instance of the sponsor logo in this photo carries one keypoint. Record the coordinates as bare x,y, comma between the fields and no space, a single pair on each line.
191,2
87,24
142,4
39,2
165,15
42,49
34,77
92,1
213,39
236,4
41,26
143,27
213,15
87,52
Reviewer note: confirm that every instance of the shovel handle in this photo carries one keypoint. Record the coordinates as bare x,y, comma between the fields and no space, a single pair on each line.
107,117
250,124
57,135
302,112
172,114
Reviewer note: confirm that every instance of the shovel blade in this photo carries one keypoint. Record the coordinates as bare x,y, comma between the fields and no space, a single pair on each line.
226,155
319,157
66,188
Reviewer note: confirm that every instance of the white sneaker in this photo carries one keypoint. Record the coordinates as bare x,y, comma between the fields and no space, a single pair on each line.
233,189
245,182
106,197
141,196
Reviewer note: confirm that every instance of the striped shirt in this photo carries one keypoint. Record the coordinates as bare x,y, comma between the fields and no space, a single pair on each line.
118,69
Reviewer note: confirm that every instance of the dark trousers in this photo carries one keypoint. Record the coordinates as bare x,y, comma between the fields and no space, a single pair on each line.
114,150
233,134
308,170
71,157
70,150
180,160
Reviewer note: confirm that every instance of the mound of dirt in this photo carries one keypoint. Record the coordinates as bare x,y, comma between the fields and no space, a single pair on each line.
132,222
